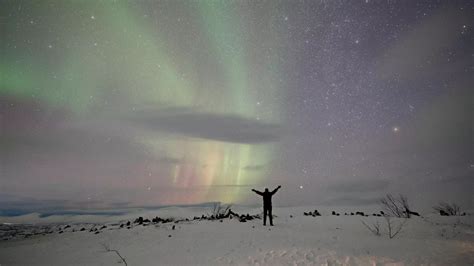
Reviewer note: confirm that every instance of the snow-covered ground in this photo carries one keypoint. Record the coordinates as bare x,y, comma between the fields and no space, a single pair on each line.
295,239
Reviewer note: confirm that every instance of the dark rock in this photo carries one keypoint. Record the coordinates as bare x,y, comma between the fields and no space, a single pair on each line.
82,229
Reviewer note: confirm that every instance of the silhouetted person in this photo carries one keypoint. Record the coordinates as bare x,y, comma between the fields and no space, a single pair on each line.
267,203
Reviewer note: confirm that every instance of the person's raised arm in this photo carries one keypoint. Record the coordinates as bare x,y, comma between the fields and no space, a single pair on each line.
275,190
258,192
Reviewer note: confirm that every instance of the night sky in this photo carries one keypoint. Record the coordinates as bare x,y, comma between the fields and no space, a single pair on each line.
143,103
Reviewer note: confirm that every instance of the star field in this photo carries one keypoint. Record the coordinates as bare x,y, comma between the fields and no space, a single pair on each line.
119,103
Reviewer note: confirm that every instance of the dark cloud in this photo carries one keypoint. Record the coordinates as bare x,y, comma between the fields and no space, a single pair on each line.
220,127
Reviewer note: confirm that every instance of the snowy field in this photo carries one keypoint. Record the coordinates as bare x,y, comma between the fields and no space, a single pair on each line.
296,239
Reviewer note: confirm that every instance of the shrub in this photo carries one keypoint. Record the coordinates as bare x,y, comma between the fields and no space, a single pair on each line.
448,209
397,207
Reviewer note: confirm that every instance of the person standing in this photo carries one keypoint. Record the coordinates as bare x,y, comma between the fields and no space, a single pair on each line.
267,203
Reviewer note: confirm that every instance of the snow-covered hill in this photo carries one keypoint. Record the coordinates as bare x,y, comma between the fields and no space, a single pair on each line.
295,239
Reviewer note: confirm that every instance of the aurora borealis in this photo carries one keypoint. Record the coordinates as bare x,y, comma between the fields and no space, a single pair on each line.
142,103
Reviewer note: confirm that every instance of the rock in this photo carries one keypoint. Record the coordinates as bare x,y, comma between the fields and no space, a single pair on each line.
82,229
443,213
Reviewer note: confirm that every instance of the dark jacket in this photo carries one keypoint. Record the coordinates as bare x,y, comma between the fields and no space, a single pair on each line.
267,196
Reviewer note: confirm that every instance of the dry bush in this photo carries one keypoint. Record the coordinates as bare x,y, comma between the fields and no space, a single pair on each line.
108,249
397,207
374,227
393,228
219,210
451,209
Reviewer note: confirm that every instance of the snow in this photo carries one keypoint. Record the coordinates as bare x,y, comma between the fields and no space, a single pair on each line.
295,239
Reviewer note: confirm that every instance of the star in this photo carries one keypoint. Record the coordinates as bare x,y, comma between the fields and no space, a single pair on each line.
395,129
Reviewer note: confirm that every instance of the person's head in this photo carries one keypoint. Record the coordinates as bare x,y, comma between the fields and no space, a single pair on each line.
266,189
